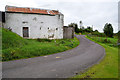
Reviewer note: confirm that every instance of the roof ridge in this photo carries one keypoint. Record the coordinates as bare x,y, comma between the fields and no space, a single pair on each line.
31,10
29,7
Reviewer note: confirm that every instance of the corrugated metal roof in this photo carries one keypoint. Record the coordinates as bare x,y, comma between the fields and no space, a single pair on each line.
31,10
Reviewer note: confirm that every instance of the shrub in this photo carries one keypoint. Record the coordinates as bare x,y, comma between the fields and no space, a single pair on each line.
43,40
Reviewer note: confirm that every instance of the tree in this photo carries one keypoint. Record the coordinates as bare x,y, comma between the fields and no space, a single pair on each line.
89,29
75,26
108,30
96,31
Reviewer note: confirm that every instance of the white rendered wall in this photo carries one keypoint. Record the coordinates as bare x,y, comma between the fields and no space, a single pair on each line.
38,25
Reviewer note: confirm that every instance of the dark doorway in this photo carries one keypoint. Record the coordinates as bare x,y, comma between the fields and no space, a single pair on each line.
25,32
2,17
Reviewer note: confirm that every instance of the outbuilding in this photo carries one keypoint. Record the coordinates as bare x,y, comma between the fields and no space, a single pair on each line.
68,32
34,22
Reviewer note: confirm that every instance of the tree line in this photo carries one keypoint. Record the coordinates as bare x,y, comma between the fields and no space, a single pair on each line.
108,29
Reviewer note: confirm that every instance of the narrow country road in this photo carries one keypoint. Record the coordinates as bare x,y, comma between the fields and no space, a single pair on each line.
61,65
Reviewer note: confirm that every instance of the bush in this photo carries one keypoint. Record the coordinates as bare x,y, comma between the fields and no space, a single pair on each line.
98,34
106,41
43,40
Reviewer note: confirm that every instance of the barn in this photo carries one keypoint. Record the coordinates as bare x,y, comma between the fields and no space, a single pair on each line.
34,22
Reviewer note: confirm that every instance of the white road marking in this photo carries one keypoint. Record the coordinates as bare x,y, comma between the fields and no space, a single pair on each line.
57,57
45,56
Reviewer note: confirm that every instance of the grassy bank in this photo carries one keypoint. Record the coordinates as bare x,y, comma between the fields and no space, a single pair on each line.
15,47
107,67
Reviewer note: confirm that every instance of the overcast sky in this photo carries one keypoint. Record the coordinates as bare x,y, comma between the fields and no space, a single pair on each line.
90,12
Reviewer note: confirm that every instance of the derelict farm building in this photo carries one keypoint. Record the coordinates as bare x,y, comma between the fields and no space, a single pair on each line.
34,22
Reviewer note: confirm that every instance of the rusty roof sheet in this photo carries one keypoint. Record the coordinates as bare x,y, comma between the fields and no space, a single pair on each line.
31,10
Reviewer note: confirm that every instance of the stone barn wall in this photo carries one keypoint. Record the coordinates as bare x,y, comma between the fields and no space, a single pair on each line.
39,25
34,22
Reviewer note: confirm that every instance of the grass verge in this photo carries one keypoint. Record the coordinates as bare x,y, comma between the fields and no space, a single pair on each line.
107,67
15,47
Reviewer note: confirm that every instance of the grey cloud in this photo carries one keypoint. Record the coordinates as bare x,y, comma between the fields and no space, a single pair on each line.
91,13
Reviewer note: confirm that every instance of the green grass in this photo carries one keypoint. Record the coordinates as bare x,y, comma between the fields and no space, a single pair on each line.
16,47
107,67
11,40
110,41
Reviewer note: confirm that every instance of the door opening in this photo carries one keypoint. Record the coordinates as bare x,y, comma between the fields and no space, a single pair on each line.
25,32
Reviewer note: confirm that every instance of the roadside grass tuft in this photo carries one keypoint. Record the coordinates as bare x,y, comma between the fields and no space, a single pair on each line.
15,47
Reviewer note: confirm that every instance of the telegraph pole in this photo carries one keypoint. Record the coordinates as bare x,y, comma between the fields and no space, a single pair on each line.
81,24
